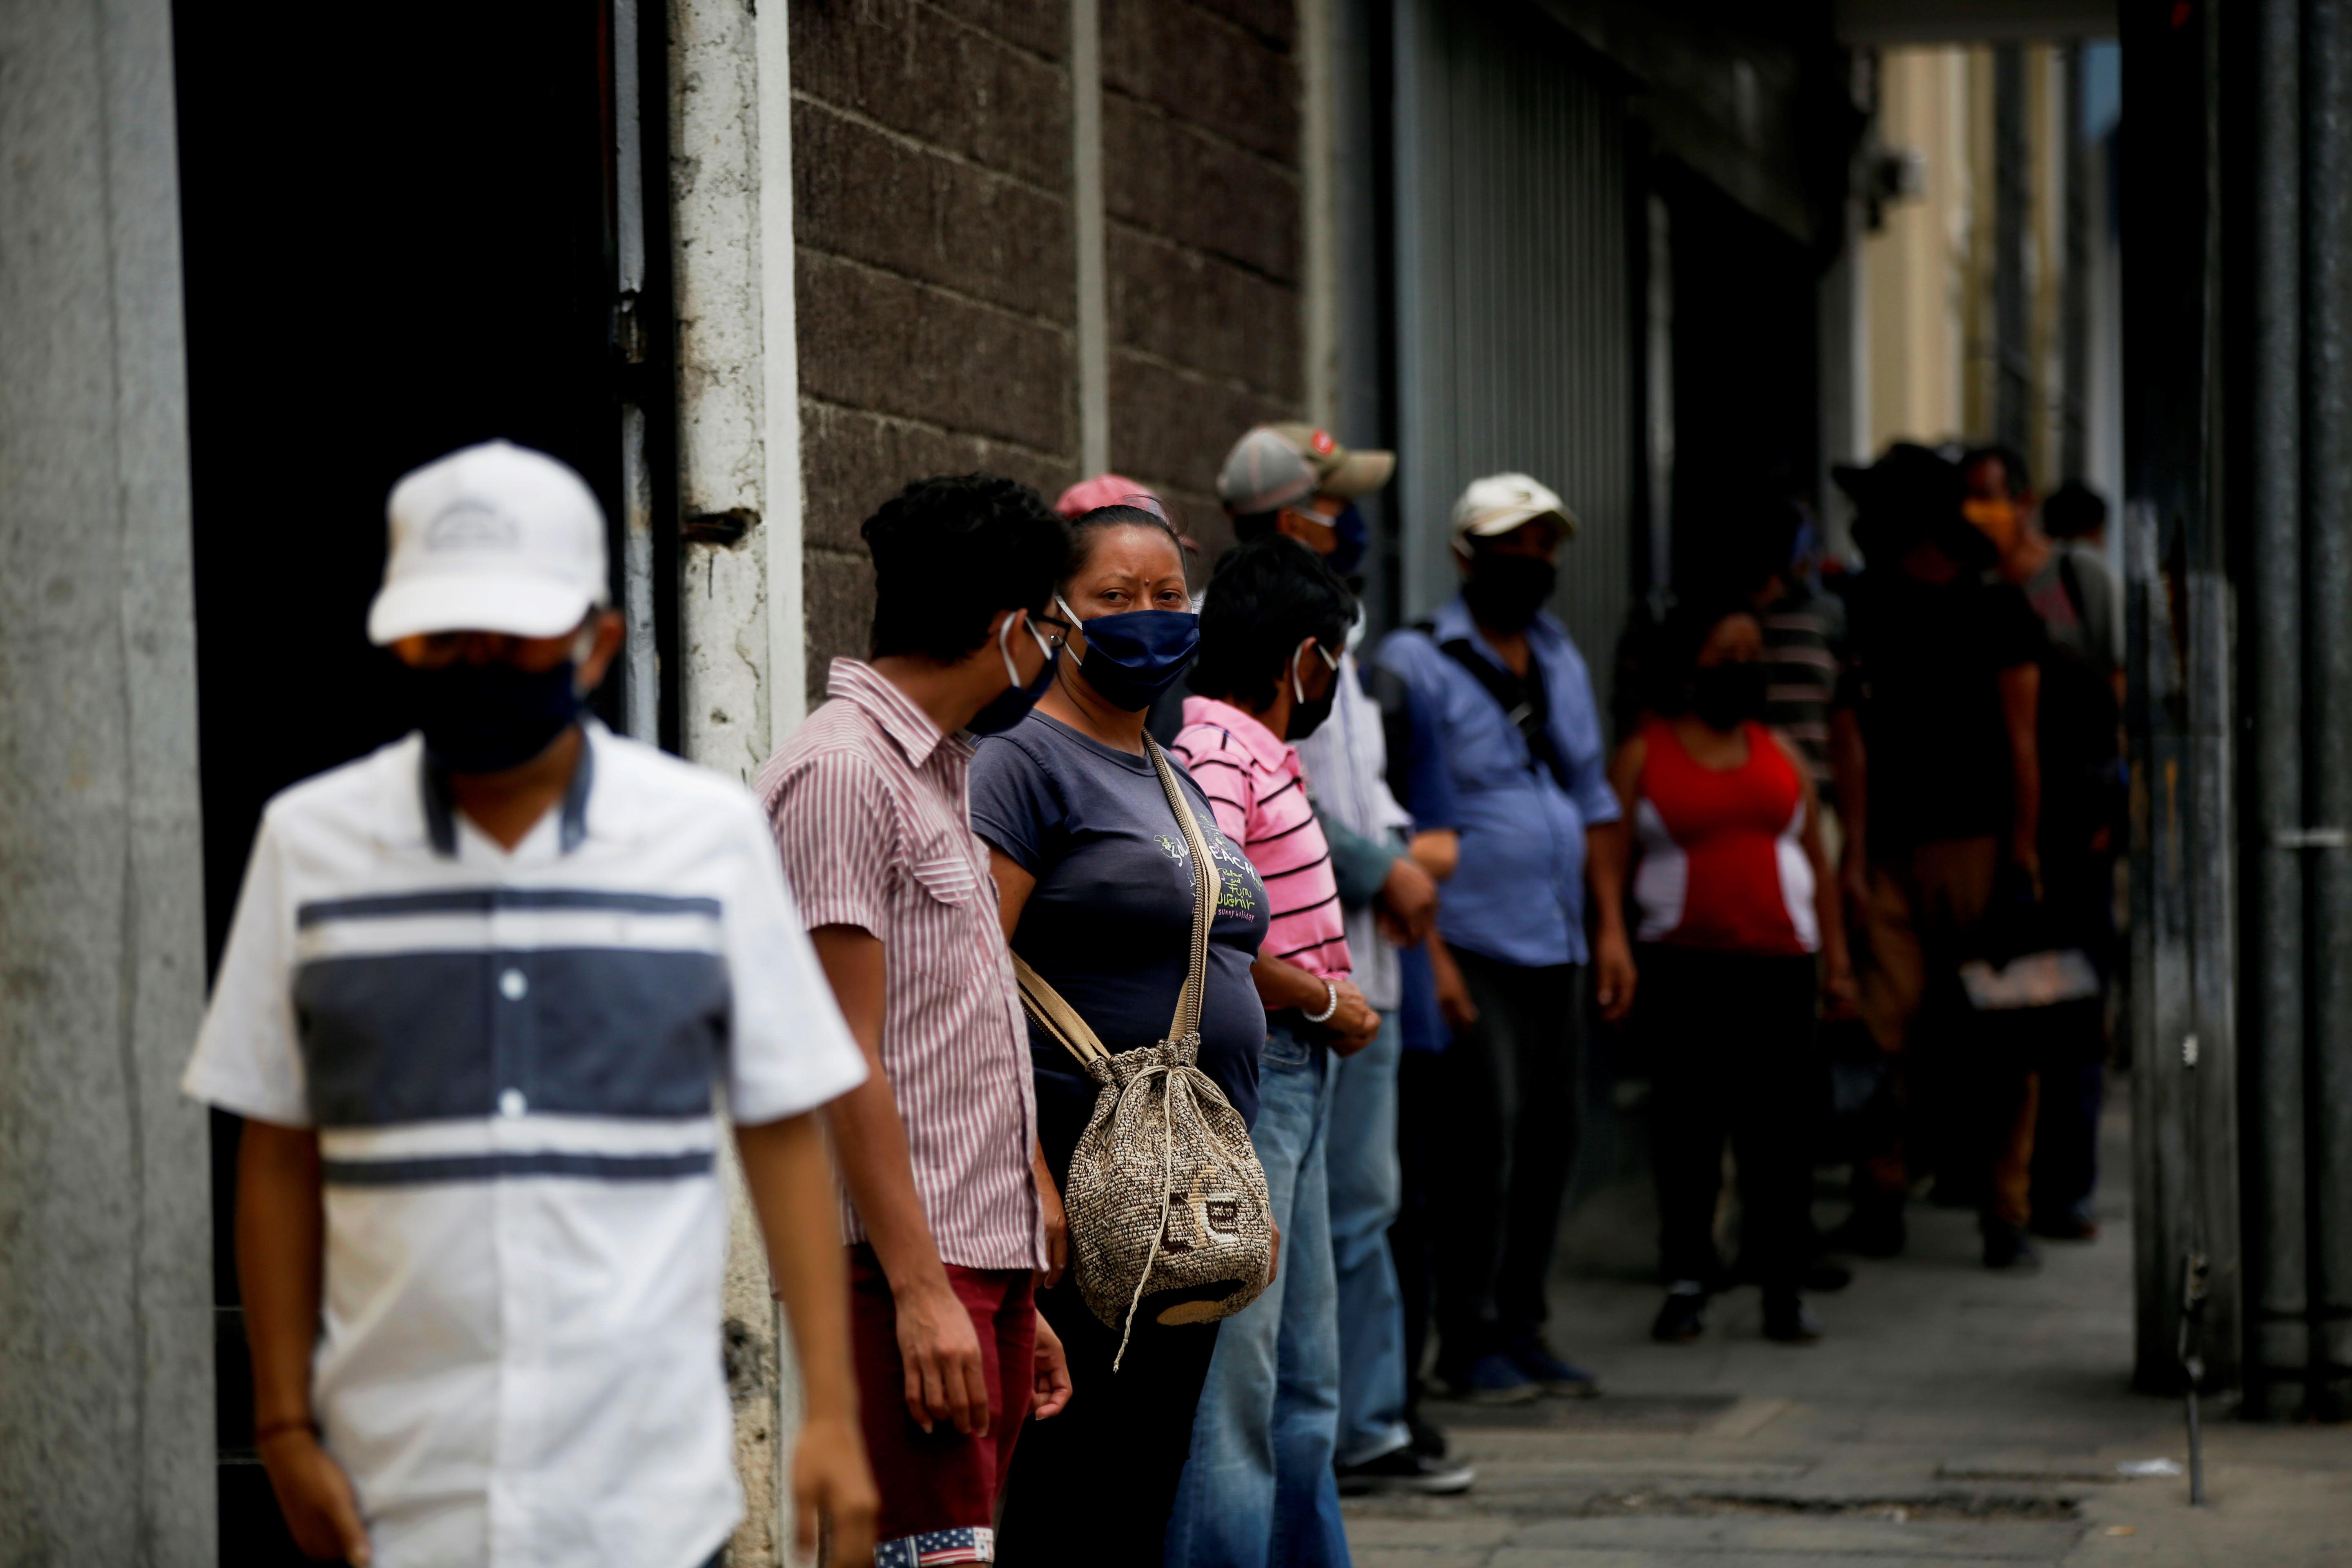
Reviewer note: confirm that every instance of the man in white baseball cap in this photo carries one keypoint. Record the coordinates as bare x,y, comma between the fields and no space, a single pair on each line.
1540,826
478,993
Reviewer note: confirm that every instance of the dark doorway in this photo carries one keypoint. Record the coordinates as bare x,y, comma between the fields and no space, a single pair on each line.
1746,365
399,240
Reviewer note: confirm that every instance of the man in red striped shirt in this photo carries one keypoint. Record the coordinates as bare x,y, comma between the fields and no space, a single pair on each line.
947,1223
1259,1487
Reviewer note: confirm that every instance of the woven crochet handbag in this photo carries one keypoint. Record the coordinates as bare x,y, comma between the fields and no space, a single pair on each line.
1167,1202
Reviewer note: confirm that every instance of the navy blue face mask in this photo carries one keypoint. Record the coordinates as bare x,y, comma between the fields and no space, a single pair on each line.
1353,536
1012,705
488,717
1132,658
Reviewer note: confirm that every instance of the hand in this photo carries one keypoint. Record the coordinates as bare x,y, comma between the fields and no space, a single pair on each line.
941,1351
2028,856
1454,1002
1057,1226
1408,901
321,1511
1354,1025
1273,1258
1050,1379
1612,974
1853,877
833,1485
1838,987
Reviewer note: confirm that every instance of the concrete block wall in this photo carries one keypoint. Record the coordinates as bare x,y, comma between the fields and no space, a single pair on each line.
1204,238
935,226
935,267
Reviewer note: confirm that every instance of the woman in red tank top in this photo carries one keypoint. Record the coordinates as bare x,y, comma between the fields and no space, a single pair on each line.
1739,929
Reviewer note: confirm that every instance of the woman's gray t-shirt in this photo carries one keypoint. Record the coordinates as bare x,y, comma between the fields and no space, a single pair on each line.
1110,924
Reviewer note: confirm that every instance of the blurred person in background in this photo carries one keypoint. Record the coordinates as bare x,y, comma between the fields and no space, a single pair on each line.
1287,476
1741,932
1259,1488
1419,779
2084,802
941,1206
479,991
1094,892
1513,712
1938,762
1755,547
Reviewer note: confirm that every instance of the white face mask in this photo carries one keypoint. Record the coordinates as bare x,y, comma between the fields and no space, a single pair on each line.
1356,632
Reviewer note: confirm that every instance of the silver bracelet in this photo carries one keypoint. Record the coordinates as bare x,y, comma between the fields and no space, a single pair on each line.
1329,1007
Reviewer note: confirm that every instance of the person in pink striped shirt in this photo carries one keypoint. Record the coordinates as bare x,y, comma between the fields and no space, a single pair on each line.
1259,1488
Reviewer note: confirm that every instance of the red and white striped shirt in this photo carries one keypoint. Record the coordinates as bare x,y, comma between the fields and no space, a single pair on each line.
871,810
1258,790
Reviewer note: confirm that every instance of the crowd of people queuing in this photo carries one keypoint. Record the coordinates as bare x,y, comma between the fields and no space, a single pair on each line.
483,986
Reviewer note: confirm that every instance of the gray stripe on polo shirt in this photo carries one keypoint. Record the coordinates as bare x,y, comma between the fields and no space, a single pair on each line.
490,901
439,1168
419,1037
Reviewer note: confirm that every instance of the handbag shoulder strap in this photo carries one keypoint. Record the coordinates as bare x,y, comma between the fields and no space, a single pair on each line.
1205,887
1054,1016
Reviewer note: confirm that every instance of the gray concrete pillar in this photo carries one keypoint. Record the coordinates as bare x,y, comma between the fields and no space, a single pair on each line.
106,1345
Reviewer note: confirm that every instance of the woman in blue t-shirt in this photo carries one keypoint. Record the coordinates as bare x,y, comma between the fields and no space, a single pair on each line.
1097,893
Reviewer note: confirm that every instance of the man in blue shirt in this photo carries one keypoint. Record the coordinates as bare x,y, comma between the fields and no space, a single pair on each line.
1521,736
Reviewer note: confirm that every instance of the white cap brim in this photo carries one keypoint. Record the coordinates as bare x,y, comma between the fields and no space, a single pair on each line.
517,607
1490,525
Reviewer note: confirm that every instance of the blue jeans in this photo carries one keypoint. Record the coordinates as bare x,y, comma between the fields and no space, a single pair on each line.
1367,1189
1258,1489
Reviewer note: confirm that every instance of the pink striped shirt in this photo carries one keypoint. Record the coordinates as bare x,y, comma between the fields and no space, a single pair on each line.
1258,791
871,809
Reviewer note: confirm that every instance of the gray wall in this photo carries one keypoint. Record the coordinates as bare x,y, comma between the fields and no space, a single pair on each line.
106,1357
1514,346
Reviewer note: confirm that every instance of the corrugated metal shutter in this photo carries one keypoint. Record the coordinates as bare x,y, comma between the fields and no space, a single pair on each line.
1514,347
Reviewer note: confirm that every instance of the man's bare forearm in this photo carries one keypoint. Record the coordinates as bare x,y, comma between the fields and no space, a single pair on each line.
869,1138
1608,849
280,1230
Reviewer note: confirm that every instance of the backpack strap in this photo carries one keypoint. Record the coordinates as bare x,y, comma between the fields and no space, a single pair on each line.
1206,885
1525,704
1059,1019
1054,1016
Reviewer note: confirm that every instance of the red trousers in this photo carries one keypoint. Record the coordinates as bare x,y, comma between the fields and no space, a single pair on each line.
941,1479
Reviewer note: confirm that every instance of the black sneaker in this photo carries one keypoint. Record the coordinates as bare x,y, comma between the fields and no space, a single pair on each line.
2007,1249
2074,1225
1427,1440
1547,1371
1869,1233
1788,1319
1682,1319
1493,1379
1405,1471
1826,1278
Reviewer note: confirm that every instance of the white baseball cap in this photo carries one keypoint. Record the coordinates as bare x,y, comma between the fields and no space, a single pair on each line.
494,538
1501,502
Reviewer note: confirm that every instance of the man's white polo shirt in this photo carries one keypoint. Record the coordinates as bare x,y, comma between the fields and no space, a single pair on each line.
510,1060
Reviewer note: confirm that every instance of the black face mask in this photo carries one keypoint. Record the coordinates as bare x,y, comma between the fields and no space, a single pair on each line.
1308,713
1725,696
1505,591
1012,705
488,717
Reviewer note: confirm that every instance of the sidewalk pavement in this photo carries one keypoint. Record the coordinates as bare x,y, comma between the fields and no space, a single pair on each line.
1948,1417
